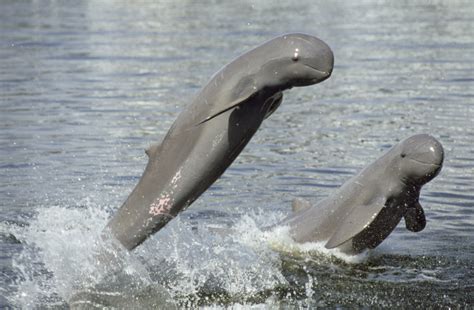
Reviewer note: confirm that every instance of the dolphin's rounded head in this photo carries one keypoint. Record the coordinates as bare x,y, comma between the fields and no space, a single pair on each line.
296,59
420,159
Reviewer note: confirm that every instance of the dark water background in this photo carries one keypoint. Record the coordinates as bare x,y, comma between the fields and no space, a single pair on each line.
86,86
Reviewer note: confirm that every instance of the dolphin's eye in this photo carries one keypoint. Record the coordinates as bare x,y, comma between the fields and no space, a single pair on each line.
403,155
296,55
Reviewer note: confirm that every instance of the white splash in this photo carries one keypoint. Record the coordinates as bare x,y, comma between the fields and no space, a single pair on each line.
61,255
239,263
280,239
62,250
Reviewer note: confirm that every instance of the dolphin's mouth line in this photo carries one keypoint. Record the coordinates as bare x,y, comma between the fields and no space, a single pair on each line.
324,73
424,163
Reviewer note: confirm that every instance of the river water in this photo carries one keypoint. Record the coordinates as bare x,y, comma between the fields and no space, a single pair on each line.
86,86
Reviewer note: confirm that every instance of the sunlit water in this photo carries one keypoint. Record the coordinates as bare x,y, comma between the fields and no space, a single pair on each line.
85,87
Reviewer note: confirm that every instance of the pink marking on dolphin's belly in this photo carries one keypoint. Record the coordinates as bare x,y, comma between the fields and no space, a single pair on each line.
161,205
176,178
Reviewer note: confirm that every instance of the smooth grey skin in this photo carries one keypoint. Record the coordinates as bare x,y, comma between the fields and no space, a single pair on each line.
368,207
209,134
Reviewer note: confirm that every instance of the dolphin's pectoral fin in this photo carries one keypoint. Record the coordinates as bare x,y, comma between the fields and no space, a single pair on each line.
232,105
246,88
415,219
356,221
300,204
153,149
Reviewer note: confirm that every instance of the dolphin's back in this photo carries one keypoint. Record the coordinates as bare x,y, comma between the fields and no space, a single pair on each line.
233,83
319,222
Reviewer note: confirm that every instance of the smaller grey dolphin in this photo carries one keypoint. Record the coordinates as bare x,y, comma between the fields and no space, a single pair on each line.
368,207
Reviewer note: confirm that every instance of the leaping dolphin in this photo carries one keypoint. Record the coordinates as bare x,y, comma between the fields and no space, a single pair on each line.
368,207
209,134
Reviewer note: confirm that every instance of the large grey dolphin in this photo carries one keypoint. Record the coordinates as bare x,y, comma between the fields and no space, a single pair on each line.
368,207
209,134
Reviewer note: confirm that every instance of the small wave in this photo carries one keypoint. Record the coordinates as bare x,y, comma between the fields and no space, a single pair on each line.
404,274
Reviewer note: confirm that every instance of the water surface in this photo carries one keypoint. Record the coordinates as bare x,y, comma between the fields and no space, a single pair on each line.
86,86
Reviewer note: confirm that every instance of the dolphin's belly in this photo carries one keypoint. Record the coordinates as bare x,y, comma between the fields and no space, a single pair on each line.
183,168
215,146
